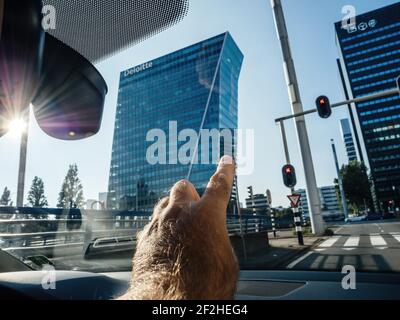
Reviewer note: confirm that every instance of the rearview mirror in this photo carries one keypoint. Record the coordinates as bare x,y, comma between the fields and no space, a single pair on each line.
70,97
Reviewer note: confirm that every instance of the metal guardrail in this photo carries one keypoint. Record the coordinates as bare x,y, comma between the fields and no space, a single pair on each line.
48,230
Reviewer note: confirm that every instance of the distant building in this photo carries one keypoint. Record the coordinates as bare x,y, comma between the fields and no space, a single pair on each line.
303,202
348,140
329,200
258,203
103,198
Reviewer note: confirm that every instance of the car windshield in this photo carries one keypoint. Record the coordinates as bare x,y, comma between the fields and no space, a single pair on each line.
311,117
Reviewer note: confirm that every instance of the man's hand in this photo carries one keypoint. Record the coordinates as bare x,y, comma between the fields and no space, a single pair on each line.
185,252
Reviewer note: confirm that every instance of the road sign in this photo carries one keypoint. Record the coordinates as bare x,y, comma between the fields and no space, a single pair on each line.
294,200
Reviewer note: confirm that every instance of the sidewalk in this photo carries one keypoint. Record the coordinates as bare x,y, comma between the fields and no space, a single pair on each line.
281,251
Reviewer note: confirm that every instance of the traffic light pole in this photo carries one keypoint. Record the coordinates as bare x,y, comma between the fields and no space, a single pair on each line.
296,212
295,100
297,222
340,104
340,180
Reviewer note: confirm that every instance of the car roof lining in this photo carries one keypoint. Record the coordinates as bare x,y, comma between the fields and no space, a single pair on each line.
98,29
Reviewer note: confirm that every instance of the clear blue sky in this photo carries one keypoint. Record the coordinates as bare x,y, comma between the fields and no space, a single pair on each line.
262,96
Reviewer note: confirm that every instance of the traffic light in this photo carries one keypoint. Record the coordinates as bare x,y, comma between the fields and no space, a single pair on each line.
250,192
289,176
324,107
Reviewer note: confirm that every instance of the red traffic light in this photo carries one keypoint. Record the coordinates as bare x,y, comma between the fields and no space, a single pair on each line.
289,176
288,170
324,107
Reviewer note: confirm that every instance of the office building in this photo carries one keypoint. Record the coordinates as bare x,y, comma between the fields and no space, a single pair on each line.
193,89
348,140
303,206
370,55
329,200
103,197
258,203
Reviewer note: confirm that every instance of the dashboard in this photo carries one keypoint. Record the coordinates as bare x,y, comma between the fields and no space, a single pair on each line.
253,285
18,281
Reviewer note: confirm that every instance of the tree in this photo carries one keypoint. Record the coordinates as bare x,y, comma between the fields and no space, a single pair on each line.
71,194
356,185
36,197
5,199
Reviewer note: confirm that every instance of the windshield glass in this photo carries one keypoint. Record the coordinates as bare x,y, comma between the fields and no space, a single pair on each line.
218,81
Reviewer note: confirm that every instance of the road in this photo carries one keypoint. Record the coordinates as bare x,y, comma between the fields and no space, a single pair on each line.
368,246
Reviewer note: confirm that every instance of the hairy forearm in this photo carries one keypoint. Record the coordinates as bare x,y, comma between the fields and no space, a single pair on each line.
184,268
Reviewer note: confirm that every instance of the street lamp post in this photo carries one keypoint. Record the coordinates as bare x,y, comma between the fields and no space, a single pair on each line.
22,160
340,180
297,107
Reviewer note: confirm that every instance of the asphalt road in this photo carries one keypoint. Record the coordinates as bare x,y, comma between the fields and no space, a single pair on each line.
368,246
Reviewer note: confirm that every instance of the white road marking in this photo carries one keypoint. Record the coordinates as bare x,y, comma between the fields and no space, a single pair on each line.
396,236
377,241
293,264
352,242
330,242
349,249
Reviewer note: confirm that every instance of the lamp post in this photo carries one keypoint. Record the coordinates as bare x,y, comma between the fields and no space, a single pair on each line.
297,107
22,159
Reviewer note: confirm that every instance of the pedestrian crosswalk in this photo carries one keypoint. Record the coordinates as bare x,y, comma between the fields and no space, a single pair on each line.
351,242
377,240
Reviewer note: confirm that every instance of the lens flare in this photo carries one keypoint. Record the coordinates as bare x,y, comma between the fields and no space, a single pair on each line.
16,127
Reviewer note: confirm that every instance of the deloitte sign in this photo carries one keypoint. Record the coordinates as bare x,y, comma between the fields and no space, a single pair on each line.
134,70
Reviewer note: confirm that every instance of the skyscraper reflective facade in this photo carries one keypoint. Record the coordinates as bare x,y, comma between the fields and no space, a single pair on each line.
370,51
348,140
194,88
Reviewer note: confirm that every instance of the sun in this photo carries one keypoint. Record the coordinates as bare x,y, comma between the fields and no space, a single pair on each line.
16,127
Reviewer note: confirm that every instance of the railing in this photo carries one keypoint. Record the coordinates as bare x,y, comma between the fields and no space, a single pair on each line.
56,232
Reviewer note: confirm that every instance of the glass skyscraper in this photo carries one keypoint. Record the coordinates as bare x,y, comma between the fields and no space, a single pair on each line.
348,140
195,88
370,51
